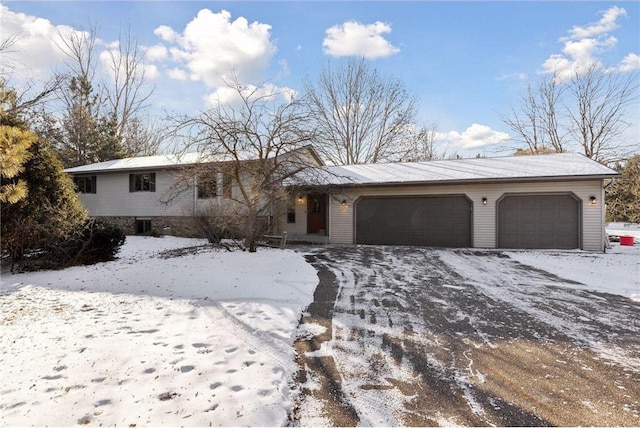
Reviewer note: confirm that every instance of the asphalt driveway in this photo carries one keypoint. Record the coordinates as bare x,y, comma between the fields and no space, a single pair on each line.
424,337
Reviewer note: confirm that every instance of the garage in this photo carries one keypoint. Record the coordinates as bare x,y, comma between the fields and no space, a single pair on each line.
438,221
543,221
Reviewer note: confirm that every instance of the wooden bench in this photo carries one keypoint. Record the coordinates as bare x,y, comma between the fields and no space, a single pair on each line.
276,241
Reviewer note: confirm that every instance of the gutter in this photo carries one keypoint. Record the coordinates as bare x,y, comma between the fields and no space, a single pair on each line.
460,181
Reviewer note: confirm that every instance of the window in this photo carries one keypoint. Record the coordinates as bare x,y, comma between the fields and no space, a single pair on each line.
227,184
145,182
291,211
208,186
85,184
143,227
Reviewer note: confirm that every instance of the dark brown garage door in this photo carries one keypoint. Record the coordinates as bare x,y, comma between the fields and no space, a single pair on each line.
538,221
442,221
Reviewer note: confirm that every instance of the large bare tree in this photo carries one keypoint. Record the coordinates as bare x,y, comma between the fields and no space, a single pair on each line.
253,143
104,100
536,125
597,117
360,117
587,114
128,94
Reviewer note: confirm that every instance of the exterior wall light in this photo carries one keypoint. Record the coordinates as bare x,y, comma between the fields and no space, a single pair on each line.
300,198
593,200
484,201
344,202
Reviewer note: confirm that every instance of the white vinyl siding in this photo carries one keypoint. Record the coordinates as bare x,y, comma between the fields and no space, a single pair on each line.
484,216
114,199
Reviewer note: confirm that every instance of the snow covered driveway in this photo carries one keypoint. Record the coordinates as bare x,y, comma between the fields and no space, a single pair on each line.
434,336
197,337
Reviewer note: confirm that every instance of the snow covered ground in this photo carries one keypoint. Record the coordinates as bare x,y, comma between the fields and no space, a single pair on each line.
193,339
616,272
164,336
449,337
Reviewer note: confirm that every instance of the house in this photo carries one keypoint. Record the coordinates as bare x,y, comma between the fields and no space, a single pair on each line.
163,194
547,201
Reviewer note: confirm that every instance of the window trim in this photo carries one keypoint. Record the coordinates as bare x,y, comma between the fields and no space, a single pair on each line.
134,181
82,188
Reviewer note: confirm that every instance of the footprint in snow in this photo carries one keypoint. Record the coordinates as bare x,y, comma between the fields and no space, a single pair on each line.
186,369
231,350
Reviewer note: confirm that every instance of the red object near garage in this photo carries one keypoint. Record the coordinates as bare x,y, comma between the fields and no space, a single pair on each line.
626,240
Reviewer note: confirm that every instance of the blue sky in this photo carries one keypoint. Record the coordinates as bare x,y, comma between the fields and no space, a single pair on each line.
465,62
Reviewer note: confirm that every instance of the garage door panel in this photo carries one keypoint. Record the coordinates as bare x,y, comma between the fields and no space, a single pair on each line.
538,221
425,221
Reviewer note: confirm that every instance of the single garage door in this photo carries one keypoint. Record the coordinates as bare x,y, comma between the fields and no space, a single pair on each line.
539,221
438,221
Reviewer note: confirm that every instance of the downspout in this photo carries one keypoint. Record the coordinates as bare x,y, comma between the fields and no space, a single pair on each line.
195,195
605,237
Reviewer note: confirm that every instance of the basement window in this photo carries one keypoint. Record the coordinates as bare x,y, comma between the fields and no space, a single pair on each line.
143,226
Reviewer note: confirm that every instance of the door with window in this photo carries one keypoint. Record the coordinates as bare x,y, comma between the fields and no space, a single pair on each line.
316,214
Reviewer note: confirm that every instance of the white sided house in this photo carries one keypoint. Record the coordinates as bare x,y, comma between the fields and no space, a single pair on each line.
161,194
551,201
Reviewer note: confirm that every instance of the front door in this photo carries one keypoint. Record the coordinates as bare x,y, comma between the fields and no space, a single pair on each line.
316,214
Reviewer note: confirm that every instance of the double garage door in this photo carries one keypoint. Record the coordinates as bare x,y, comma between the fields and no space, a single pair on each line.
523,221
438,221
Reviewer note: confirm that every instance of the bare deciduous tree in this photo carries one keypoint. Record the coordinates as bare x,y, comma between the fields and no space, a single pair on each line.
597,119
129,93
360,117
424,146
537,123
585,114
254,144
112,94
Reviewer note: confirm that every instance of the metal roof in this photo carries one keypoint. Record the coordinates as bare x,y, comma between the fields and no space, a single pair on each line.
517,168
142,162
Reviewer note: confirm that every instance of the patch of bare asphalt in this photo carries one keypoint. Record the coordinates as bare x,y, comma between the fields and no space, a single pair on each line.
424,337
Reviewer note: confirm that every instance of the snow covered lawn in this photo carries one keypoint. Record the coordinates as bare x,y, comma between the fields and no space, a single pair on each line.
195,339
617,271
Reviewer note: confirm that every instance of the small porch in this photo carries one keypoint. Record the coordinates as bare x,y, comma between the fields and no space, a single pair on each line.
307,220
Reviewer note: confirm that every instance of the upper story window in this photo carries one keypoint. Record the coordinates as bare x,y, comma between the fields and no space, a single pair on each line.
85,184
144,182
207,189
214,185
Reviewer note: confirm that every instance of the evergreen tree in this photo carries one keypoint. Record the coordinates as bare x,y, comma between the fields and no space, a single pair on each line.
51,214
14,148
85,135
623,195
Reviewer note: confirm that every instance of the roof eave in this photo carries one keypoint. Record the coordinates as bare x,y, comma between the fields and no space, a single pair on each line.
469,181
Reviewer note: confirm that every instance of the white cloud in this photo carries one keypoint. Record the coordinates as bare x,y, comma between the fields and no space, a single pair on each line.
178,74
229,96
37,47
581,49
355,39
630,62
606,24
166,33
156,53
212,48
473,137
